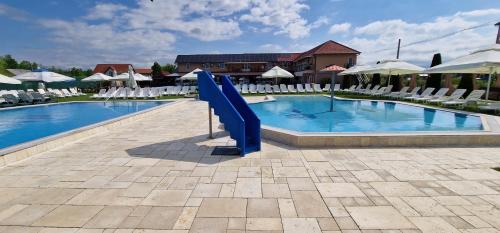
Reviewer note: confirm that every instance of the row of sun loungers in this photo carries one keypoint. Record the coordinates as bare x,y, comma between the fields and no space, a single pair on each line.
20,97
283,89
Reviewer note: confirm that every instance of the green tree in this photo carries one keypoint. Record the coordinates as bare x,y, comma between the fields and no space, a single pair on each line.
434,80
11,63
25,65
156,70
171,68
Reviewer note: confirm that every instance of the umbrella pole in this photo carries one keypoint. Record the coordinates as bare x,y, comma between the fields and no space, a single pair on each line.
210,135
332,93
488,84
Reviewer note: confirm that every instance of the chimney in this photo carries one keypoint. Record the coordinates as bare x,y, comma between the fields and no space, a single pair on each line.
498,34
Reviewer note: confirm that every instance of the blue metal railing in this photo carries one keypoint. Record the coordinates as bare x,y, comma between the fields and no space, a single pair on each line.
228,114
252,122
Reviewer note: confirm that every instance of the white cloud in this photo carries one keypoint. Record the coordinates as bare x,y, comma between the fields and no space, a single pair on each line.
339,28
284,15
271,48
104,11
13,13
373,38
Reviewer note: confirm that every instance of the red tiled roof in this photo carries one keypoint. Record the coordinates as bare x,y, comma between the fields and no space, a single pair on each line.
120,68
143,70
329,47
288,57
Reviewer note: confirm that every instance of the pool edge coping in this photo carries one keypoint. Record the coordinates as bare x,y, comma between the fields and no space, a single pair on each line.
24,150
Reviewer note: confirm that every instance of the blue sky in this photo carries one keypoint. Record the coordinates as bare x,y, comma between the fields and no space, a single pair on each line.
81,33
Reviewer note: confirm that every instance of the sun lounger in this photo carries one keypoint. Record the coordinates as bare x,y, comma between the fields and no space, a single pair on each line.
369,91
317,88
384,91
413,92
474,96
244,89
66,92
253,89
300,88
10,99
442,92
378,91
327,87
133,93
94,96
276,89
425,94
351,89
176,90
184,90
154,93
193,89
495,107
309,88
283,88
24,98
261,89
456,95
291,89
268,88
56,92
403,90
336,87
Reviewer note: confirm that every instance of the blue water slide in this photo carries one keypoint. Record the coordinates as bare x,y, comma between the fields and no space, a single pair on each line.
233,111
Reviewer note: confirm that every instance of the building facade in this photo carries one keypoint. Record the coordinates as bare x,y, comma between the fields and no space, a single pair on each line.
305,66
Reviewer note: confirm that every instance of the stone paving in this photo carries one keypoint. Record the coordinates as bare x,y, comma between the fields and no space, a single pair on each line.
156,175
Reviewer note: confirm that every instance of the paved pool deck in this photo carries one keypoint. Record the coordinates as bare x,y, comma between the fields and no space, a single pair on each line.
156,175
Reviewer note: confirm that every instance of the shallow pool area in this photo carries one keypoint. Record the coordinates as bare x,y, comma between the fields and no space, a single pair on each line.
24,124
311,114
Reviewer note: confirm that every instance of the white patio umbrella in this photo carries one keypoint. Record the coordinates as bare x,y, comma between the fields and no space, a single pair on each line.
8,80
140,77
43,76
97,77
120,77
131,82
191,75
277,72
393,67
355,70
484,61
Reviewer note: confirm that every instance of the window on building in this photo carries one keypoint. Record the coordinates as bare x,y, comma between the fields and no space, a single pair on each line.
222,66
350,61
187,66
206,65
246,66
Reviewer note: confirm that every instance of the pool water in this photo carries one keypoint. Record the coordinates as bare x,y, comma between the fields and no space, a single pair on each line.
21,125
311,114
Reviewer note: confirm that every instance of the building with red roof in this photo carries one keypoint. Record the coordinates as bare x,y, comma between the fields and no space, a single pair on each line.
305,65
109,69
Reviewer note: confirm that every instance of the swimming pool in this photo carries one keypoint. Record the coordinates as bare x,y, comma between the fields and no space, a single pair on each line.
20,125
311,114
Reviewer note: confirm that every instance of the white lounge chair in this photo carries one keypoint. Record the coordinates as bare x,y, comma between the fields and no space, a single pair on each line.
442,92
276,89
403,90
94,96
413,92
495,107
253,89
350,89
378,91
176,90
327,87
268,88
300,88
154,93
244,89
193,89
261,89
185,90
336,87
474,96
309,88
425,94
456,95
291,89
283,88
317,88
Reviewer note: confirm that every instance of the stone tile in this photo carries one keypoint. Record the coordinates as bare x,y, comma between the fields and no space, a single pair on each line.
477,174
184,183
467,187
394,189
138,190
263,224
339,190
167,198
378,217
328,224
427,206
301,184
263,208
275,191
161,218
300,225
203,171
433,225
287,208
309,204
27,215
209,225
248,188
367,175
222,207
109,217
290,172
48,196
68,216
410,174
249,172
186,218
237,223
207,190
